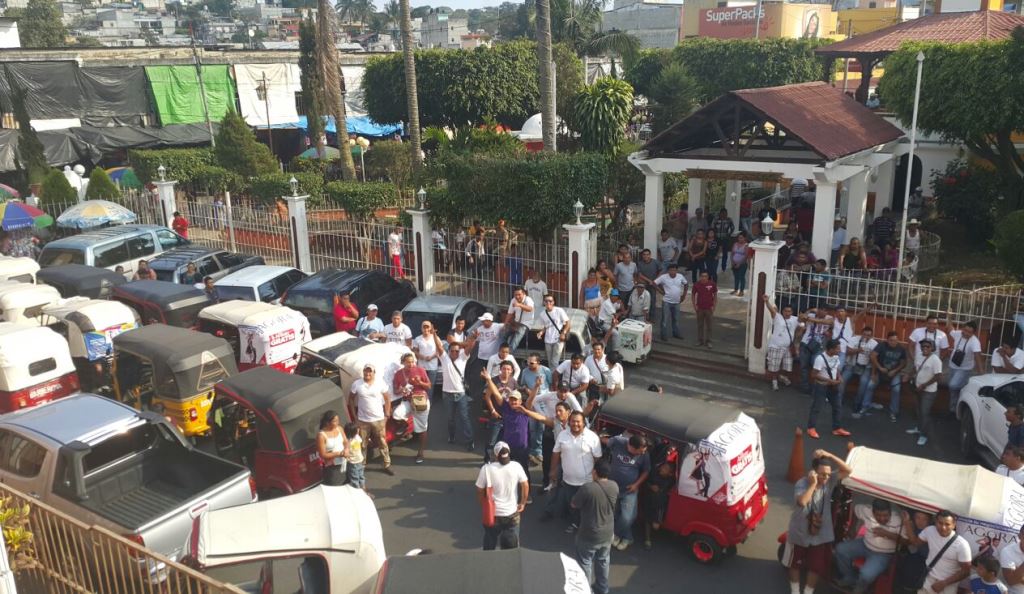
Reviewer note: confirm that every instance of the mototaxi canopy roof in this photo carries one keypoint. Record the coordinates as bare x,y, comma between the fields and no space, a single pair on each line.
679,419
81,280
184,362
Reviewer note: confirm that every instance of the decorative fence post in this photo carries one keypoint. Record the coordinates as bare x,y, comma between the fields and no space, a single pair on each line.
165,194
580,254
298,228
765,268
423,244
229,215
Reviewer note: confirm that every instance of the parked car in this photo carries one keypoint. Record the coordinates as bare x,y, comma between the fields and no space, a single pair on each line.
171,265
314,296
982,414
578,340
107,464
258,283
441,311
123,245
79,280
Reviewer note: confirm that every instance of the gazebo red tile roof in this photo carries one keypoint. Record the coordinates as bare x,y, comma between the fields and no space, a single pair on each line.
955,27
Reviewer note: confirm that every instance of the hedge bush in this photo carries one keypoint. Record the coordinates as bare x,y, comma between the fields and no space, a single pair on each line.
181,164
56,191
389,160
361,199
268,188
100,186
217,179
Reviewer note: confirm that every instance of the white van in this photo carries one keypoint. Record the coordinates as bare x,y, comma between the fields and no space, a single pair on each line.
123,245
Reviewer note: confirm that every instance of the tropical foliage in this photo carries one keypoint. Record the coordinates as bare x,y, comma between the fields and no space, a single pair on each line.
600,113
969,195
100,186
18,538
239,151
40,25
1008,232
56,191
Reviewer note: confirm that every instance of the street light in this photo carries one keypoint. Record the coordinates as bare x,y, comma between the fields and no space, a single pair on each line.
161,171
767,226
577,209
421,198
294,183
910,164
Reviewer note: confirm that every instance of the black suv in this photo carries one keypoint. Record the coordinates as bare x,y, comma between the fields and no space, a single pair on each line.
172,265
314,296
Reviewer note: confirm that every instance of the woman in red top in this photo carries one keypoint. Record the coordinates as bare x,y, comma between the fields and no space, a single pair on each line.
180,224
345,313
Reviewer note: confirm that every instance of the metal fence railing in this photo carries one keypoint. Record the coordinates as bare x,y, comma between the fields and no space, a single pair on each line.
73,557
249,228
929,256
335,241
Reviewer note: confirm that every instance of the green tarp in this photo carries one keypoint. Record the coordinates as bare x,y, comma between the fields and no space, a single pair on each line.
176,93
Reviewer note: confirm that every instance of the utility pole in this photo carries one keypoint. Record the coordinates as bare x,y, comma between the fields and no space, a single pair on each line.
266,102
202,89
757,20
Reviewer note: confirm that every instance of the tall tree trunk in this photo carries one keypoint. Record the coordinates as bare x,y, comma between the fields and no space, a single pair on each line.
545,68
334,83
411,99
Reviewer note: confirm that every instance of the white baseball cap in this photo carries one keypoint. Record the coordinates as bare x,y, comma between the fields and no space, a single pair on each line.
371,307
487,317
501,446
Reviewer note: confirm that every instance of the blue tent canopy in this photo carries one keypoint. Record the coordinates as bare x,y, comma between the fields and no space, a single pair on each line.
361,125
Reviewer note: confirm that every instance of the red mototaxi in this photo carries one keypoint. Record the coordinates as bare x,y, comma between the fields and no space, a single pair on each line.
721,493
259,333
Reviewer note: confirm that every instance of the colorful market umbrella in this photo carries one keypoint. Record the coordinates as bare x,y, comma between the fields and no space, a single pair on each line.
93,213
8,193
15,214
124,176
329,153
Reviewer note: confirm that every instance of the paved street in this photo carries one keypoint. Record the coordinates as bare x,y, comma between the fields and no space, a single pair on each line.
433,506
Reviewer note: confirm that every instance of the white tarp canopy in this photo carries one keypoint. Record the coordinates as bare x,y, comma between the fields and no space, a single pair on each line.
282,85
355,105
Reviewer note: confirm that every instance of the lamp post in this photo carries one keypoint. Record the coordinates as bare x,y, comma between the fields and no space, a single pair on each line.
767,226
294,183
910,166
421,198
162,172
577,209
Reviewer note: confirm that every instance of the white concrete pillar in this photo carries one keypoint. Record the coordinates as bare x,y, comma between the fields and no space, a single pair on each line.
883,186
580,257
299,232
824,218
695,188
762,282
423,249
654,208
165,194
733,195
857,205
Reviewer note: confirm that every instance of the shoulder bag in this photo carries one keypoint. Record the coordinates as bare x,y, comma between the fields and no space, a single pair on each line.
550,319
487,508
913,571
958,355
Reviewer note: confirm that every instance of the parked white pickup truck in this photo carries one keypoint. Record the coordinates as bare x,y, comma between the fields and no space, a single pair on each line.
113,466
982,414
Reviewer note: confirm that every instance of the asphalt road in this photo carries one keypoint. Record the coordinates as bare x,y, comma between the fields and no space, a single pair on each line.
433,505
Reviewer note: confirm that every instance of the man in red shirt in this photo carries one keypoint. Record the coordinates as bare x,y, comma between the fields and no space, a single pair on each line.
180,224
345,313
705,297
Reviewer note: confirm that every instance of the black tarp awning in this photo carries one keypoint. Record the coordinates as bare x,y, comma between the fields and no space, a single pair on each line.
61,147
101,95
113,95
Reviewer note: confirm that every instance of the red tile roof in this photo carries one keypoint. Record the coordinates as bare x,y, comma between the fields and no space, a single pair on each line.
816,114
955,27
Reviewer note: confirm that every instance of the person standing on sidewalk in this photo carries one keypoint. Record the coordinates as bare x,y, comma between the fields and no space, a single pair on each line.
826,382
705,298
510,490
926,381
739,258
395,252
595,502
888,359
573,457
672,287
781,345
724,228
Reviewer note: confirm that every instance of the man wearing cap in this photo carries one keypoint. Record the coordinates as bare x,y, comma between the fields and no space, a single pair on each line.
488,337
370,403
346,314
516,423
370,326
912,241
453,387
510,489
838,239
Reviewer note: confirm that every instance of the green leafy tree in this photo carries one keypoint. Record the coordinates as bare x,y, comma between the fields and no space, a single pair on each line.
984,112
239,151
673,95
574,22
41,25
31,156
56,192
648,65
421,12
601,112
1006,240
969,195
614,43
100,186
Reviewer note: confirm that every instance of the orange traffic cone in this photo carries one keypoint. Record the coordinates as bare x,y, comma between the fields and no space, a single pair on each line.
796,458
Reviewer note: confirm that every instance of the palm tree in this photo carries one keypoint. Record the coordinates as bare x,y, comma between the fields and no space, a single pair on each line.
574,21
393,10
411,100
334,83
614,42
544,78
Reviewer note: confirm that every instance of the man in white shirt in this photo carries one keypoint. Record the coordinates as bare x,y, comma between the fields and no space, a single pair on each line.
453,388
395,251
1011,560
639,304
1012,463
930,330
814,329
370,403
397,332
572,457
952,551
519,317
370,326
826,382
576,374
510,490
965,359
503,354
556,330
597,366
535,288
842,330
427,355
876,547
672,287
488,337
926,381
858,364
548,404
781,345
1007,358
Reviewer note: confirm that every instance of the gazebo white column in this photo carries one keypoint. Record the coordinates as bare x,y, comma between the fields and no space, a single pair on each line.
654,208
695,186
883,186
759,322
857,204
824,216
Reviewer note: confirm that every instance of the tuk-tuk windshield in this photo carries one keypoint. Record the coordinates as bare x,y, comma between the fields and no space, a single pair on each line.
185,317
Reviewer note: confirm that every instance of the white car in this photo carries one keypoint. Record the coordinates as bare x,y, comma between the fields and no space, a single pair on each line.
258,283
982,413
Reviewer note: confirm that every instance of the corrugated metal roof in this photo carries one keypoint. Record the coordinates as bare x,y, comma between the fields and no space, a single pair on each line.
956,27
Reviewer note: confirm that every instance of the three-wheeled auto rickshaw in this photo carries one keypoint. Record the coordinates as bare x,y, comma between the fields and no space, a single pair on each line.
23,303
171,369
721,492
260,333
160,302
269,421
335,531
20,269
90,325
80,280
341,357
989,507
35,367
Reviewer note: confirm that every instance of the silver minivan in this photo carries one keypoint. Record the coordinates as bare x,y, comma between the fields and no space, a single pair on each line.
123,245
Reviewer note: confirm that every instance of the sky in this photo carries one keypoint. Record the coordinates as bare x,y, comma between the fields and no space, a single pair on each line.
457,4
